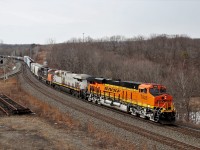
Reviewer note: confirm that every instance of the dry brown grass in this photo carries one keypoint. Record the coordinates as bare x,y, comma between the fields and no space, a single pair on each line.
106,139
12,88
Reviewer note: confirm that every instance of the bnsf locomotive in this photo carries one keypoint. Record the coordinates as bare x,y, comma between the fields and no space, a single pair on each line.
146,100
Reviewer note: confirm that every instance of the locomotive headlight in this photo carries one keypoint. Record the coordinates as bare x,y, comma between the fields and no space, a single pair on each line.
165,97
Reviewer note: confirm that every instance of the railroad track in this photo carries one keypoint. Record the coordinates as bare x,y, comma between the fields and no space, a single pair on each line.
12,73
184,130
174,127
120,124
10,107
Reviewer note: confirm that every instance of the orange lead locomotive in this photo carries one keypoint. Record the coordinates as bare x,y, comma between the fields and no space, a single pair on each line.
147,100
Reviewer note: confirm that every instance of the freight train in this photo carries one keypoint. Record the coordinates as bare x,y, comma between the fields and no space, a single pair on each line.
146,100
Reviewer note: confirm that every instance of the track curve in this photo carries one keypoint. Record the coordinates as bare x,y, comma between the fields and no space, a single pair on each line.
129,127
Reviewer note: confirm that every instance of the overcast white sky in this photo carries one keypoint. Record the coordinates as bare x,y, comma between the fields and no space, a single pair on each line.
35,21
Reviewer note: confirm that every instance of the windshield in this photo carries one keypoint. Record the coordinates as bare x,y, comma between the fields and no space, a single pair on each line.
156,91
162,90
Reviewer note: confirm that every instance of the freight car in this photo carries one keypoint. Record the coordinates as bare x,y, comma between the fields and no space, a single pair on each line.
28,61
146,100
35,68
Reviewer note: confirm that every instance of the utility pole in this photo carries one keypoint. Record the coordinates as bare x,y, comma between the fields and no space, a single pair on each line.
32,46
83,37
4,71
30,51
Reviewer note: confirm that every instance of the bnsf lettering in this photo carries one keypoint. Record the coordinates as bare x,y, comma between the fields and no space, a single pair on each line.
110,89
144,97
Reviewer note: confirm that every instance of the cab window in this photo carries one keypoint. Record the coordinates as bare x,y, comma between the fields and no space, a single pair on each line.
79,80
156,91
163,90
143,90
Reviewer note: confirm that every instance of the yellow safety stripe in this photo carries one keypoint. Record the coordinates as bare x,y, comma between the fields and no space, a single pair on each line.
76,89
128,100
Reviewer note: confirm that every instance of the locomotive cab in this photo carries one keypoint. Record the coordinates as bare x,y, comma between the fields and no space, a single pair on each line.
161,98
158,103
163,104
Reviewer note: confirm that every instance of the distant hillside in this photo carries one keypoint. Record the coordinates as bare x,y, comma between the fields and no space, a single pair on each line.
8,49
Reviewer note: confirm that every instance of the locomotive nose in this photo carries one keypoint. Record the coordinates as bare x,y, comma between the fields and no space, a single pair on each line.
165,97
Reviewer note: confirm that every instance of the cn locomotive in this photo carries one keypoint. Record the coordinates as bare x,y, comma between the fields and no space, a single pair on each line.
146,100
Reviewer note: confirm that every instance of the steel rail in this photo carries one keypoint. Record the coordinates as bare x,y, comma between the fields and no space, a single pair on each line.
3,110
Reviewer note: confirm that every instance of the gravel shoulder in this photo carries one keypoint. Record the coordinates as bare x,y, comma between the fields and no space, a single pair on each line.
32,132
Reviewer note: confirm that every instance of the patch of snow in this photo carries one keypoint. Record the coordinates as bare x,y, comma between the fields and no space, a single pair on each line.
195,117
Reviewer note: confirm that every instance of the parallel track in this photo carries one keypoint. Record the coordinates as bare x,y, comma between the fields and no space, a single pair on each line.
11,75
4,108
129,127
10,107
